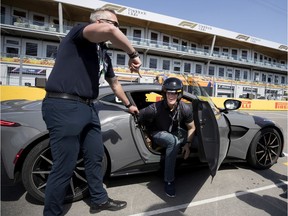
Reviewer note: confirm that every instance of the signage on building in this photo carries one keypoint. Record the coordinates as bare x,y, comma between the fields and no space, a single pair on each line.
271,91
226,87
249,89
30,71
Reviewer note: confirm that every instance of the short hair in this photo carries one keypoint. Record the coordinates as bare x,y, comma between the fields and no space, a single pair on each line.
99,13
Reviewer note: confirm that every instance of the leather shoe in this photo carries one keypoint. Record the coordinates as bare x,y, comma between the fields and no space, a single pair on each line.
111,205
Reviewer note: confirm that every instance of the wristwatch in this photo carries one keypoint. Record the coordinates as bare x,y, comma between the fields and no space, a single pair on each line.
133,55
129,105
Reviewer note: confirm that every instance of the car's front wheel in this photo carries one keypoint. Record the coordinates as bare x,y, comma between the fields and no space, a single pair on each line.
37,167
265,149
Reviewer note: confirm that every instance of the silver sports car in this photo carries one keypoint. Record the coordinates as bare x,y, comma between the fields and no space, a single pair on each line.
221,134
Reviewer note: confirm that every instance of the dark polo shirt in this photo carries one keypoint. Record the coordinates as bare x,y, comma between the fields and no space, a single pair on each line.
76,69
158,117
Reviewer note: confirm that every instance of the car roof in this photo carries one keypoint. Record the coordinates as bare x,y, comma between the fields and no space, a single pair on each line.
131,87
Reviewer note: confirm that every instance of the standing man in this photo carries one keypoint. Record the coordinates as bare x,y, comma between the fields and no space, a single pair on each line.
69,112
170,124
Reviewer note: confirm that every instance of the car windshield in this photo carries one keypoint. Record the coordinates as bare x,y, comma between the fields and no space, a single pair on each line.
195,89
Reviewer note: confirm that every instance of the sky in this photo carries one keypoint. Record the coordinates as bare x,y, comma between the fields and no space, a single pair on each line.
265,19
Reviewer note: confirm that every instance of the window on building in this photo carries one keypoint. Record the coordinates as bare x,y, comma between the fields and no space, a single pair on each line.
234,53
216,50
55,21
263,77
154,37
211,71
124,31
38,20
166,65
166,40
229,73
153,63
245,75
193,46
176,66
31,49
269,80
51,51
276,79
255,57
244,54
3,13
187,67
19,16
175,42
120,59
12,51
256,77
225,51
221,71
237,74
261,58
137,35
12,47
184,46
198,69
12,42
206,49
184,43
283,80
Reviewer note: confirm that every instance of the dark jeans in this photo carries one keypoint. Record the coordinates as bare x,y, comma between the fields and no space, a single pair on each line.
73,126
171,142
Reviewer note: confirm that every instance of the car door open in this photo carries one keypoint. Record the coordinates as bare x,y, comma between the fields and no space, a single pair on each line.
209,126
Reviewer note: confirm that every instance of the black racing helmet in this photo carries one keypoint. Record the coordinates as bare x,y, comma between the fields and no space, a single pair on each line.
172,84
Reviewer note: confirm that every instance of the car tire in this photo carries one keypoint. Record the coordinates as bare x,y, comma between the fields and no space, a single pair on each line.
264,149
37,167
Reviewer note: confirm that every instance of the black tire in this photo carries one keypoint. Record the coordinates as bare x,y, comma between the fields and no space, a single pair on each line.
264,149
37,167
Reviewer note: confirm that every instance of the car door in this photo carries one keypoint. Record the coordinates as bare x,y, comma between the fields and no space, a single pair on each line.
212,131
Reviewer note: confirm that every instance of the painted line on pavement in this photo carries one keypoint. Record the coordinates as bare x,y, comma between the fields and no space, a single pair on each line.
206,201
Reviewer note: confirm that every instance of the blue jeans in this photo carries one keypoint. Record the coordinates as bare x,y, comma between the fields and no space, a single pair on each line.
73,126
171,142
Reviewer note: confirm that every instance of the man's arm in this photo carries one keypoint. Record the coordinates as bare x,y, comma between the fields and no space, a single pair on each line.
119,92
102,32
191,131
190,134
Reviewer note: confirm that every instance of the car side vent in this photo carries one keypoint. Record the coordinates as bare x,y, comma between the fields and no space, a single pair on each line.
237,132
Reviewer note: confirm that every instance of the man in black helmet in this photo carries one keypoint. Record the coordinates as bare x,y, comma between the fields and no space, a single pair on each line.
170,124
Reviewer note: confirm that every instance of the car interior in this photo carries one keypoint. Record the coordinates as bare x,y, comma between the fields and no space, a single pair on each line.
142,100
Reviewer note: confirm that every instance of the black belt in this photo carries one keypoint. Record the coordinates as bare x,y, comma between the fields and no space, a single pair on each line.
69,97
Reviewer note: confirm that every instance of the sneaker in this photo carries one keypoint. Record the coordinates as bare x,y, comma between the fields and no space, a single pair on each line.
111,205
170,189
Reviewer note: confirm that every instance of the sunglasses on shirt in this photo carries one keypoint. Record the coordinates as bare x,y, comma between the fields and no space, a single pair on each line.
116,24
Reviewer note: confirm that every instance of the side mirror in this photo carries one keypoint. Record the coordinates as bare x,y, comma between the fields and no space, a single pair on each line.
231,104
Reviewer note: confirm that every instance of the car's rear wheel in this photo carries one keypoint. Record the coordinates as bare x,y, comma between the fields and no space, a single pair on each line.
265,149
37,167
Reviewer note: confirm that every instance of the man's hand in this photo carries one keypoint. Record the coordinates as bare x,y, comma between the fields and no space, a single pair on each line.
133,110
186,151
134,65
